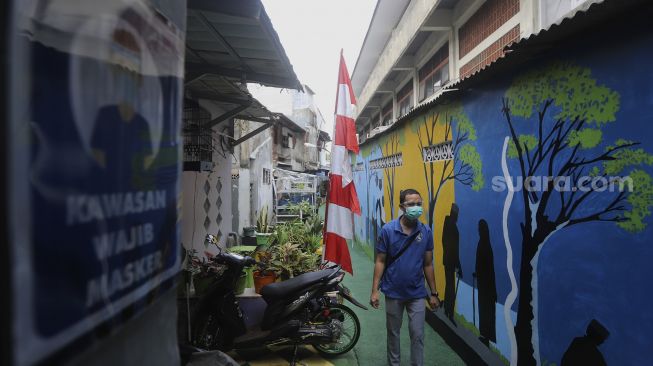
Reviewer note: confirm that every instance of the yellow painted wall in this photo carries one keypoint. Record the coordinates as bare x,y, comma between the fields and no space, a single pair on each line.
412,175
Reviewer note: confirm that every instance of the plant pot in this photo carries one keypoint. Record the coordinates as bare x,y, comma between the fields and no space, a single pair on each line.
261,280
263,238
240,284
249,231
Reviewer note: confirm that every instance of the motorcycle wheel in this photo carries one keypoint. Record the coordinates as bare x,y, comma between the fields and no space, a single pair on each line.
351,331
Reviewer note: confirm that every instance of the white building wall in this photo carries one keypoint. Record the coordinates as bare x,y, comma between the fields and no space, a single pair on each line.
260,159
244,209
251,157
206,200
414,16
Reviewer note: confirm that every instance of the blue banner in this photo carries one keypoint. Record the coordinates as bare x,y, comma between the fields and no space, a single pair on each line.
96,184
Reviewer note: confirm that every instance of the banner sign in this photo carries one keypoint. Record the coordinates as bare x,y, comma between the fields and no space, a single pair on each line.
95,165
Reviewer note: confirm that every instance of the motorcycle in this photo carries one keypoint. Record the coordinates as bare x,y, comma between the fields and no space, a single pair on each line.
298,312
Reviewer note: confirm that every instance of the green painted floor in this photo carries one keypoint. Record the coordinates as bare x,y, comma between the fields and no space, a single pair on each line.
371,347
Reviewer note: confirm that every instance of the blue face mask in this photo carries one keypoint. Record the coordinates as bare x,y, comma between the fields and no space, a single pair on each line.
414,212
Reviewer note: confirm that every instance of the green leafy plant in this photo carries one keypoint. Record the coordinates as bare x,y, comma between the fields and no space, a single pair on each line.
314,243
198,272
314,224
292,260
263,221
279,235
264,263
304,207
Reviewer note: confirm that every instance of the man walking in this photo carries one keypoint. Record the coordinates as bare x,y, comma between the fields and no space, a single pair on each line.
404,258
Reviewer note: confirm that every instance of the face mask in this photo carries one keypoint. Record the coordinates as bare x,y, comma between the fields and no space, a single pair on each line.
413,213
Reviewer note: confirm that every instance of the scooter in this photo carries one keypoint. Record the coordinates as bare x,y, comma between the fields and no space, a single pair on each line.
298,312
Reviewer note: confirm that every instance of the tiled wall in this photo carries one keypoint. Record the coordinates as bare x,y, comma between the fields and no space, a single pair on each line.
490,54
487,19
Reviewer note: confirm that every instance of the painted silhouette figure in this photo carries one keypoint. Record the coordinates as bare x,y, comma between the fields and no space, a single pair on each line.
585,350
451,260
487,287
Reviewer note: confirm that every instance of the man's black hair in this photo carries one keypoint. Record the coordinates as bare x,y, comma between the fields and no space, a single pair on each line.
405,192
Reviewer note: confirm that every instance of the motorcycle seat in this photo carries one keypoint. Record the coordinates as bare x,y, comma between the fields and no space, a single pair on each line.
282,289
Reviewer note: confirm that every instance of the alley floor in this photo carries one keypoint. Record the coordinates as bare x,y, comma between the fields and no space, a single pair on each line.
370,350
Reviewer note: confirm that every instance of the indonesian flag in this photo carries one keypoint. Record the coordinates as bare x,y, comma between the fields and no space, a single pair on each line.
342,199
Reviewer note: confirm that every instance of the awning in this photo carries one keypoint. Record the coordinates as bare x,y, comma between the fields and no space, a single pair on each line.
235,100
235,39
324,136
290,124
230,43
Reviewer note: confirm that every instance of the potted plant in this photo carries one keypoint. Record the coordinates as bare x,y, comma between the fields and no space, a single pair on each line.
263,227
292,259
199,273
265,272
302,209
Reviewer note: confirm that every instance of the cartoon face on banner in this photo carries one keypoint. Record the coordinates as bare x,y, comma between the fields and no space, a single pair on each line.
122,83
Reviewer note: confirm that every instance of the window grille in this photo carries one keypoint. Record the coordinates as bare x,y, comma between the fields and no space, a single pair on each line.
198,141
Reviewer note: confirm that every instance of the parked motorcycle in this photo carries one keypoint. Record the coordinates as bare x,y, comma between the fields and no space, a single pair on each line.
298,312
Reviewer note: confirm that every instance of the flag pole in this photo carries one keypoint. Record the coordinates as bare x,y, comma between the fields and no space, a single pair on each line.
326,207
326,215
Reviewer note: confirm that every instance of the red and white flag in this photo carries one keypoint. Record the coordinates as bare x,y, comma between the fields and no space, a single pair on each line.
342,199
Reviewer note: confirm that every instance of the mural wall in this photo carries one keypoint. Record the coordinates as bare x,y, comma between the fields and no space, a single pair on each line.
538,188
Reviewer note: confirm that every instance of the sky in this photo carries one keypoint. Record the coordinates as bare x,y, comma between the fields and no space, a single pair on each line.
312,33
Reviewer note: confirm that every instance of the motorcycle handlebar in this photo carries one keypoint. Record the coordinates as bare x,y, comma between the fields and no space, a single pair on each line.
225,258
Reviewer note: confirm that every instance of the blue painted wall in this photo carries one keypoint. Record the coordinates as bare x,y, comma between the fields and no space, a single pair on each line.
593,270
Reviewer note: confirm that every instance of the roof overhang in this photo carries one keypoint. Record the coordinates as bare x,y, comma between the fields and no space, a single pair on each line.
588,19
235,39
234,100
393,44
289,123
324,136
386,16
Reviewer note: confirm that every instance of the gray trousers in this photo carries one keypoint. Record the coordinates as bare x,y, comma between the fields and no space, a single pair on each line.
394,312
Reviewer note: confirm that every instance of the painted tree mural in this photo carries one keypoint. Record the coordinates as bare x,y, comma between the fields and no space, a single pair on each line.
568,109
390,148
466,165
371,179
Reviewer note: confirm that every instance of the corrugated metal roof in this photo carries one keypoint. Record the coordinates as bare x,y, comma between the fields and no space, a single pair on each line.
289,123
527,48
236,39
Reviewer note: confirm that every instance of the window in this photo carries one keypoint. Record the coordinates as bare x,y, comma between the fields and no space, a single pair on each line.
435,73
405,98
375,121
266,176
288,140
386,114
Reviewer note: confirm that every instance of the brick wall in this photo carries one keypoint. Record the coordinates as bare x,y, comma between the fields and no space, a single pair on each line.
487,19
490,54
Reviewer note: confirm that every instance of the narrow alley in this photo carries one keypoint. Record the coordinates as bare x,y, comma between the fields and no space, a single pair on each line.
370,349
286,182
